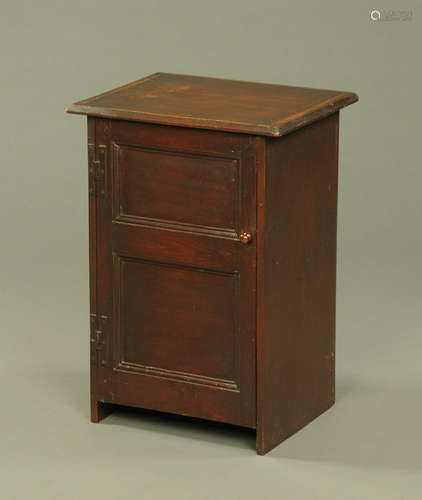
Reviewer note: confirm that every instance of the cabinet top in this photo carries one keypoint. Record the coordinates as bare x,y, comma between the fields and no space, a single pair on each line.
215,103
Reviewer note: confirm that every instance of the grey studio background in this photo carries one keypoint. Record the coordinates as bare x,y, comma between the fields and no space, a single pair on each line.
56,52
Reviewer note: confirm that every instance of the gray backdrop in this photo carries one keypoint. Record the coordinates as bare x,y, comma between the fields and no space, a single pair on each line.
57,52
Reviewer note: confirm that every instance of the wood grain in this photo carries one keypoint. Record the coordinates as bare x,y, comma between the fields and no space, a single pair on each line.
214,103
212,221
179,297
297,307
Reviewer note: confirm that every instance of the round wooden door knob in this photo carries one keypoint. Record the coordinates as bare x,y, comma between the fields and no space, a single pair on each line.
245,238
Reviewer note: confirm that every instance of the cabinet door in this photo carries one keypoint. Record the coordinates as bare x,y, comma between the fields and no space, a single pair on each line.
176,283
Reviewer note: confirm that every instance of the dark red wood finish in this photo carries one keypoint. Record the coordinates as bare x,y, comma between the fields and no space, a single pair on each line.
297,269
213,253
215,103
178,285
185,188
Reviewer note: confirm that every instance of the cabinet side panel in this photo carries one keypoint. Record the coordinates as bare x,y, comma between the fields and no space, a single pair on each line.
296,340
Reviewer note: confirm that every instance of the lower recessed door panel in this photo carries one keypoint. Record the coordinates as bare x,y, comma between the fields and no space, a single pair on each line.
177,322
180,341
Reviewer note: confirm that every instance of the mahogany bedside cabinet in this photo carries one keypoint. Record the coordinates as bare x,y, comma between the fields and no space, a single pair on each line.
212,219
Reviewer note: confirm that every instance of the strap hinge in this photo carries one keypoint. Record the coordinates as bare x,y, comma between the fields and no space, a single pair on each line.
98,339
96,166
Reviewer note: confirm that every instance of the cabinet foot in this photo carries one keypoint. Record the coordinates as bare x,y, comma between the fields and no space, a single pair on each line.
100,410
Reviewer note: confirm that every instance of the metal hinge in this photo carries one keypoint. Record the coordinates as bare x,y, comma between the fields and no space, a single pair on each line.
96,165
98,339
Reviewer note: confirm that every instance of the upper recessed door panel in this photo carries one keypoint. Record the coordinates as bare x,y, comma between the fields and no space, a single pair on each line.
186,188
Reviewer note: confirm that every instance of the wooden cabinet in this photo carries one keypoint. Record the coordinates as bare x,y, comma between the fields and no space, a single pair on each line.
213,250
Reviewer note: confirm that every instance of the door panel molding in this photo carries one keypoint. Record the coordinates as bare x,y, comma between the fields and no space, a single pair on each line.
215,206
228,283
220,382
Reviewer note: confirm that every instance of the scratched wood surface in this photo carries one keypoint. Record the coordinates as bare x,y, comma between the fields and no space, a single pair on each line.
213,103
213,250
175,312
297,269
